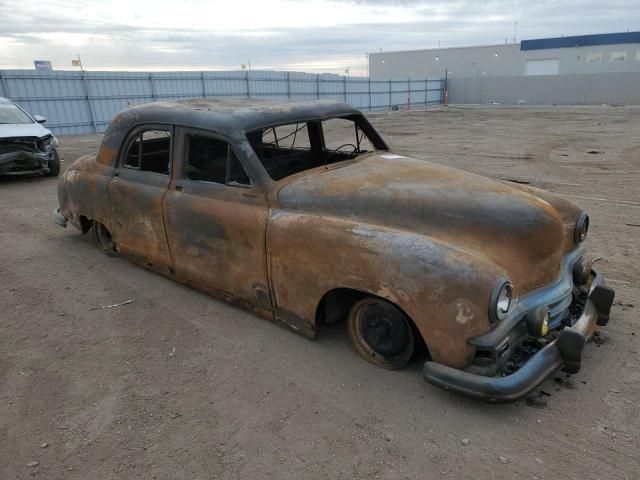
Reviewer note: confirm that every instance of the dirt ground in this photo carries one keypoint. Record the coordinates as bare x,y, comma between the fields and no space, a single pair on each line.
176,385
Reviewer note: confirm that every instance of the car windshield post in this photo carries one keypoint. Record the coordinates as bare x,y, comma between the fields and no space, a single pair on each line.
228,171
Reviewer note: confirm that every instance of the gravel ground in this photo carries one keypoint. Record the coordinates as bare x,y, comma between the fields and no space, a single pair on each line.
176,385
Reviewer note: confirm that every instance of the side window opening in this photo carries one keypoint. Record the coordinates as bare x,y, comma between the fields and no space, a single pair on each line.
285,150
150,151
213,160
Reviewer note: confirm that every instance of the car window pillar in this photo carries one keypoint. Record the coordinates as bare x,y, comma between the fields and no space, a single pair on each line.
316,139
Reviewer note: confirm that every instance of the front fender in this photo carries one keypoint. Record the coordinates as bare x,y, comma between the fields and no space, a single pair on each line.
444,289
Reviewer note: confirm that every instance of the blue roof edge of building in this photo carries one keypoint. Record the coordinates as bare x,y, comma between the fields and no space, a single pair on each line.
581,41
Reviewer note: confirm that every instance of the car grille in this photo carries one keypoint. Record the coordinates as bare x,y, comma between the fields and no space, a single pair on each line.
28,144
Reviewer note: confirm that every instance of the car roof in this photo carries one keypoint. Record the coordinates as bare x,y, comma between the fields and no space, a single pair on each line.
228,117
235,114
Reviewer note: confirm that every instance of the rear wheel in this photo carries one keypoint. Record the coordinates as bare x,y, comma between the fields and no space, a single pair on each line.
381,333
54,165
103,238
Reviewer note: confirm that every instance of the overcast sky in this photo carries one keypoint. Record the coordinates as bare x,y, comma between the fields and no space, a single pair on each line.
312,35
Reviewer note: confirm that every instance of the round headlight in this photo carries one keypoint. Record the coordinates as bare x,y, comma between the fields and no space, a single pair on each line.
501,301
582,228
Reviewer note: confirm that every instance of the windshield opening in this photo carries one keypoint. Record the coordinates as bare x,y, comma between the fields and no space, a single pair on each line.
285,150
10,113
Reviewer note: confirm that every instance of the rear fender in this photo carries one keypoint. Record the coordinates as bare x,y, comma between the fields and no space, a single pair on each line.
82,191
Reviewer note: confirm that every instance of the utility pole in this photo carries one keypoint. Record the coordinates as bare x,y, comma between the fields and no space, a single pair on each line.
78,63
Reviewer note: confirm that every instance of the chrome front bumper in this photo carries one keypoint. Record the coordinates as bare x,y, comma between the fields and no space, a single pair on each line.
59,219
565,351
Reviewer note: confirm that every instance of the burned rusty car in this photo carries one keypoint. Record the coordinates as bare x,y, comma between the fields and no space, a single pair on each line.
299,212
26,147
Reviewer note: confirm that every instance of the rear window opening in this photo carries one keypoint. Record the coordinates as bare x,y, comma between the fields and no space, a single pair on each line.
150,151
285,150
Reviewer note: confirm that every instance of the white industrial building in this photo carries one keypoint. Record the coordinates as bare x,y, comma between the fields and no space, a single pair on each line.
585,54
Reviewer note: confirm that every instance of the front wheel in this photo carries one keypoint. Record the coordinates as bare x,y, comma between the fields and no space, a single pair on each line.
381,333
54,165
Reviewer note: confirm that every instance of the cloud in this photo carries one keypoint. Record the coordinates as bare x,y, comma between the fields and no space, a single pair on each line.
316,35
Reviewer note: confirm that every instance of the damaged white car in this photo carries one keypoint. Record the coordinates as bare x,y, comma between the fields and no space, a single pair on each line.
26,147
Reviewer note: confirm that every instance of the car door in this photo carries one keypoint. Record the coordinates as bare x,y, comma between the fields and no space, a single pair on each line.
216,220
136,193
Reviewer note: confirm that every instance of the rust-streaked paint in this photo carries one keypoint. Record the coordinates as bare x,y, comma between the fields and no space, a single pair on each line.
217,239
431,239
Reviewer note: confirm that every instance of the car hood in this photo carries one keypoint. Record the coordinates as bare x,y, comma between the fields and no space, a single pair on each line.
11,130
523,230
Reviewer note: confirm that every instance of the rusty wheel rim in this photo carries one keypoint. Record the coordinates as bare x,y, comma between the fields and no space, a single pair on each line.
381,333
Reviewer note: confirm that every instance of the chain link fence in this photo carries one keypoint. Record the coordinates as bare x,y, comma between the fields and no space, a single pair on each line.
77,102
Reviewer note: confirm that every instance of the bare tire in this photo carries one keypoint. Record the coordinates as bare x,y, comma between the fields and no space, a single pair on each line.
381,333
103,238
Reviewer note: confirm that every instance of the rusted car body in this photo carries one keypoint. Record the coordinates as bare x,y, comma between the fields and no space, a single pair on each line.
491,276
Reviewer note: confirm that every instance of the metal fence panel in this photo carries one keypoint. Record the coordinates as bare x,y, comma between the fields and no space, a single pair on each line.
83,102
573,89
